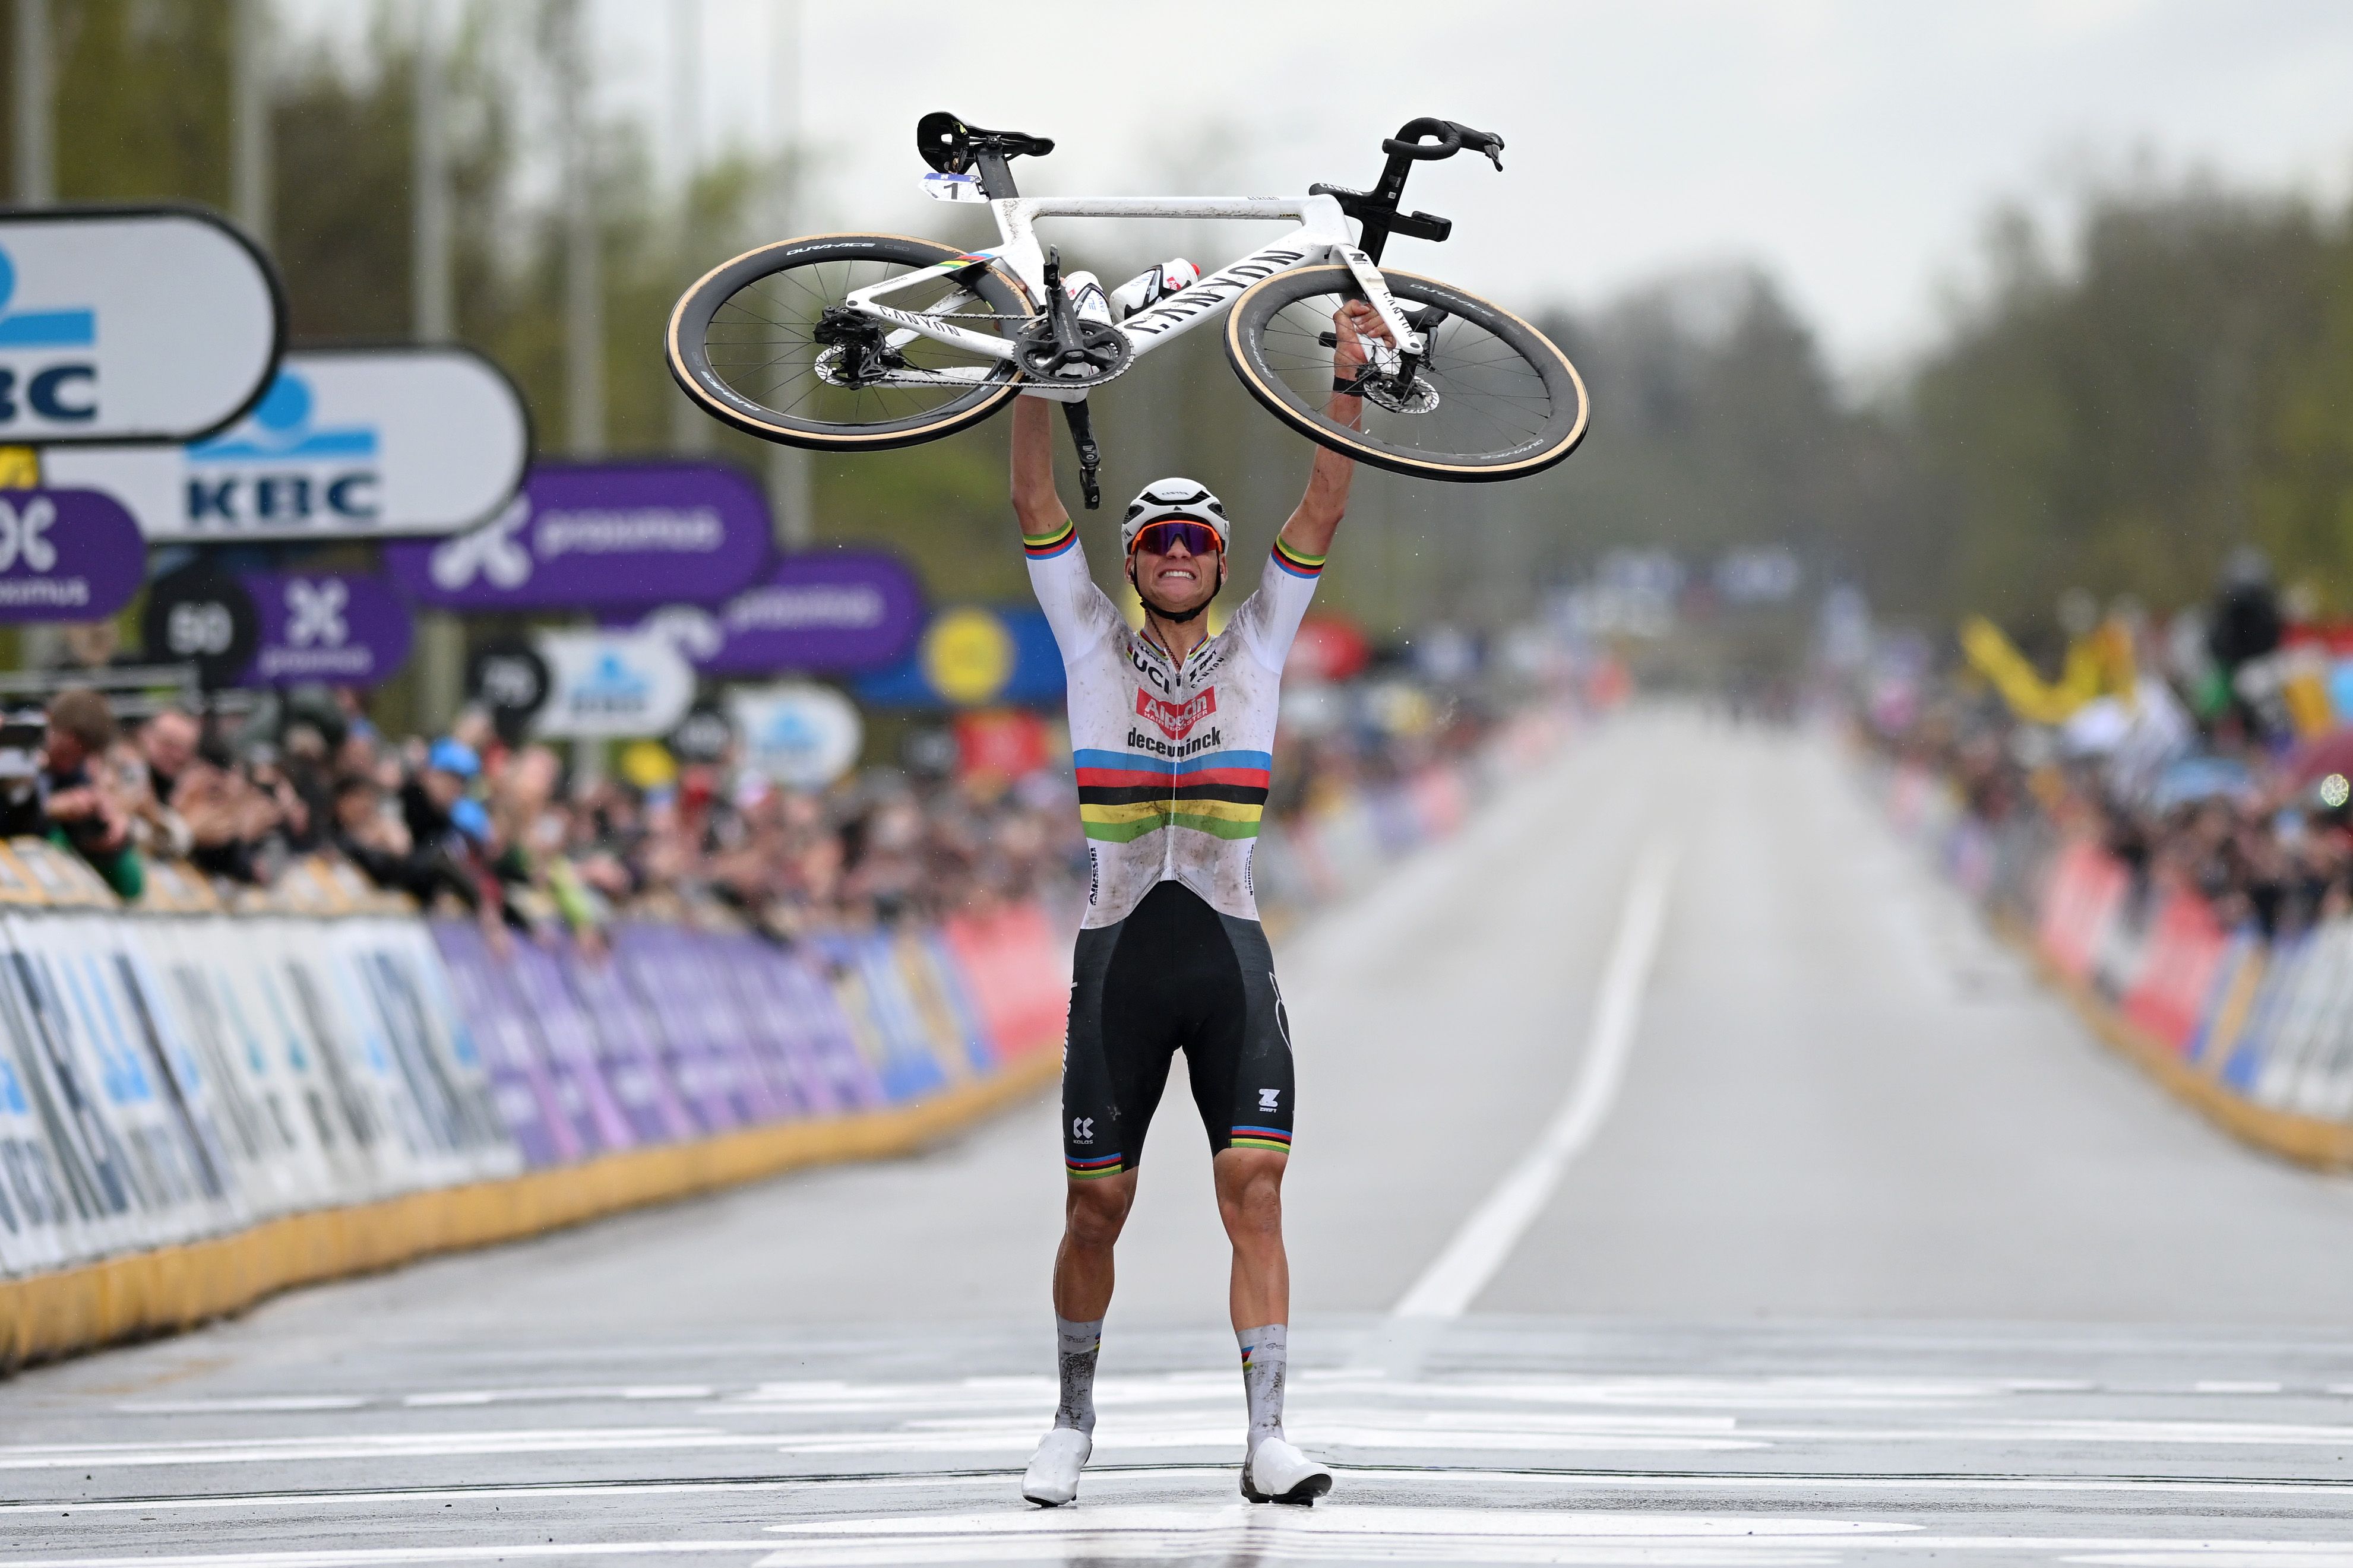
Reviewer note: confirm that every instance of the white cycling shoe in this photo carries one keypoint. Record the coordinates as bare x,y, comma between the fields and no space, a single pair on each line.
1280,1473
1052,1478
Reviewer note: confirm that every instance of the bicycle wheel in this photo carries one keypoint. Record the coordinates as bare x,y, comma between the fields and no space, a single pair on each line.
1493,399
766,344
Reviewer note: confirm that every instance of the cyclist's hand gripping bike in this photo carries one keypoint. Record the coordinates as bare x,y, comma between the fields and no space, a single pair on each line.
862,341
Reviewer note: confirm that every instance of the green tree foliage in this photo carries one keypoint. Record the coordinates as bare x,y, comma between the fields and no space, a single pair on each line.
2122,423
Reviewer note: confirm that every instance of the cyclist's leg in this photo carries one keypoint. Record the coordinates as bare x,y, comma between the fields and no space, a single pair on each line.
1113,1064
1243,1086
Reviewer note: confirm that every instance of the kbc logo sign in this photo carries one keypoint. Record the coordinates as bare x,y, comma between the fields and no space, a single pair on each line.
280,467
48,370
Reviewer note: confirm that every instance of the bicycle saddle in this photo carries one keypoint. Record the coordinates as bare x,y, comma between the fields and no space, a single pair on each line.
951,146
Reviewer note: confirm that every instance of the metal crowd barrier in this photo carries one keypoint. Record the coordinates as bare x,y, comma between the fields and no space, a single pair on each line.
184,1071
2258,1035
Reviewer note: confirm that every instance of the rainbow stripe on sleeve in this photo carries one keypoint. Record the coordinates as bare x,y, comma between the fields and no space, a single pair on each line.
1122,795
1273,1138
1092,1170
1046,546
1295,563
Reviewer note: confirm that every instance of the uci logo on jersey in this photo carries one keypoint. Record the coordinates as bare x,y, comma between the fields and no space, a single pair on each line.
49,363
281,467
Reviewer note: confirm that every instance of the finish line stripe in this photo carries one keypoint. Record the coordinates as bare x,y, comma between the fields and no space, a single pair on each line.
1450,1285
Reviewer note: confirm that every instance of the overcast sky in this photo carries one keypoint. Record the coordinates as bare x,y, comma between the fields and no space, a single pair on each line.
1851,146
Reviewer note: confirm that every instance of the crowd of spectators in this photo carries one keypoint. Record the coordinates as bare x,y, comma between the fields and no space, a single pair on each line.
513,833
2217,760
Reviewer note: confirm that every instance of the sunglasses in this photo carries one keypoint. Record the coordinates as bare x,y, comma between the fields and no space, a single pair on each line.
1160,538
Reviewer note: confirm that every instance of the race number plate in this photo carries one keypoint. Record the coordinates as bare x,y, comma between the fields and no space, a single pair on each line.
952,188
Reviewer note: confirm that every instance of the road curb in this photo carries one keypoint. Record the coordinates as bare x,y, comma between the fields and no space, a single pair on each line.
2310,1141
143,1294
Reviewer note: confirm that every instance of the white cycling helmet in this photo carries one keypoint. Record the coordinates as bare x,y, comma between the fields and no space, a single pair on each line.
1174,498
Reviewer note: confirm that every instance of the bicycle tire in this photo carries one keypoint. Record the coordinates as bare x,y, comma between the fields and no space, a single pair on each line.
688,344
1284,381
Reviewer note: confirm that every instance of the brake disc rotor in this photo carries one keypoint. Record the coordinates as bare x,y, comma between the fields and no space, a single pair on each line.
1418,398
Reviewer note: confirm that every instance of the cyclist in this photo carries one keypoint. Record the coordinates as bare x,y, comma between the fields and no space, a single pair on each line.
1171,731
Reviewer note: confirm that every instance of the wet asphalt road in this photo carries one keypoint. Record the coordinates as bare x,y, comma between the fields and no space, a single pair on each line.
1870,1255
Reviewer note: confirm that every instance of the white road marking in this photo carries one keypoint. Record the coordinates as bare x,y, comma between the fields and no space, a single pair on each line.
275,1403
1449,1286
1154,1475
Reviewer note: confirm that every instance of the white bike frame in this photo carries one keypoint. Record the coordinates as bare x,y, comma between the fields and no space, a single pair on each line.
1322,236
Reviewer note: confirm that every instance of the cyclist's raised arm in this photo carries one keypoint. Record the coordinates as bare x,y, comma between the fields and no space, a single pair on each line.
1308,534
1036,503
1074,606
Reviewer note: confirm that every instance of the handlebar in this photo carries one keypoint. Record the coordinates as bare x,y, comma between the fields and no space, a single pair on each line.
1452,137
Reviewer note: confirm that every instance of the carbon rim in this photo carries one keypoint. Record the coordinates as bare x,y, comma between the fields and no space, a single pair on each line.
1495,401
742,344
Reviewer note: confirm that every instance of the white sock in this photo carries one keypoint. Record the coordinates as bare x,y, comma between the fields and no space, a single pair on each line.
1078,1345
1262,1362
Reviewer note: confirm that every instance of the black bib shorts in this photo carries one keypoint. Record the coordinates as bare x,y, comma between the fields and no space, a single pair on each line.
1174,975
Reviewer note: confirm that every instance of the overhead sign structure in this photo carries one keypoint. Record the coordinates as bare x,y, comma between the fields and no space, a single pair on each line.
802,737
345,628
66,555
612,684
132,324
829,611
346,443
970,656
598,535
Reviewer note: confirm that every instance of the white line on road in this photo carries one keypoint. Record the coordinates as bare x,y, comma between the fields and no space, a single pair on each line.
1449,1286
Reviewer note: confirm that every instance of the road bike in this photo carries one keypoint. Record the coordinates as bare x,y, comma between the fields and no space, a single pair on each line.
866,342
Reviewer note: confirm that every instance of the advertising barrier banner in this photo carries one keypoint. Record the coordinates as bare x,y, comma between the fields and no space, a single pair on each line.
594,535
184,1073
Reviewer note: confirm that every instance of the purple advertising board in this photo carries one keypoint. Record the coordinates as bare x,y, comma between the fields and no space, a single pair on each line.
346,628
630,1046
571,1044
834,611
66,555
519,1085
586,536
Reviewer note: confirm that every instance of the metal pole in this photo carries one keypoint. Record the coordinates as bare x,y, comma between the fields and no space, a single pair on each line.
788,475
584,302
249,167
430,292
441,637
36,172
690,430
